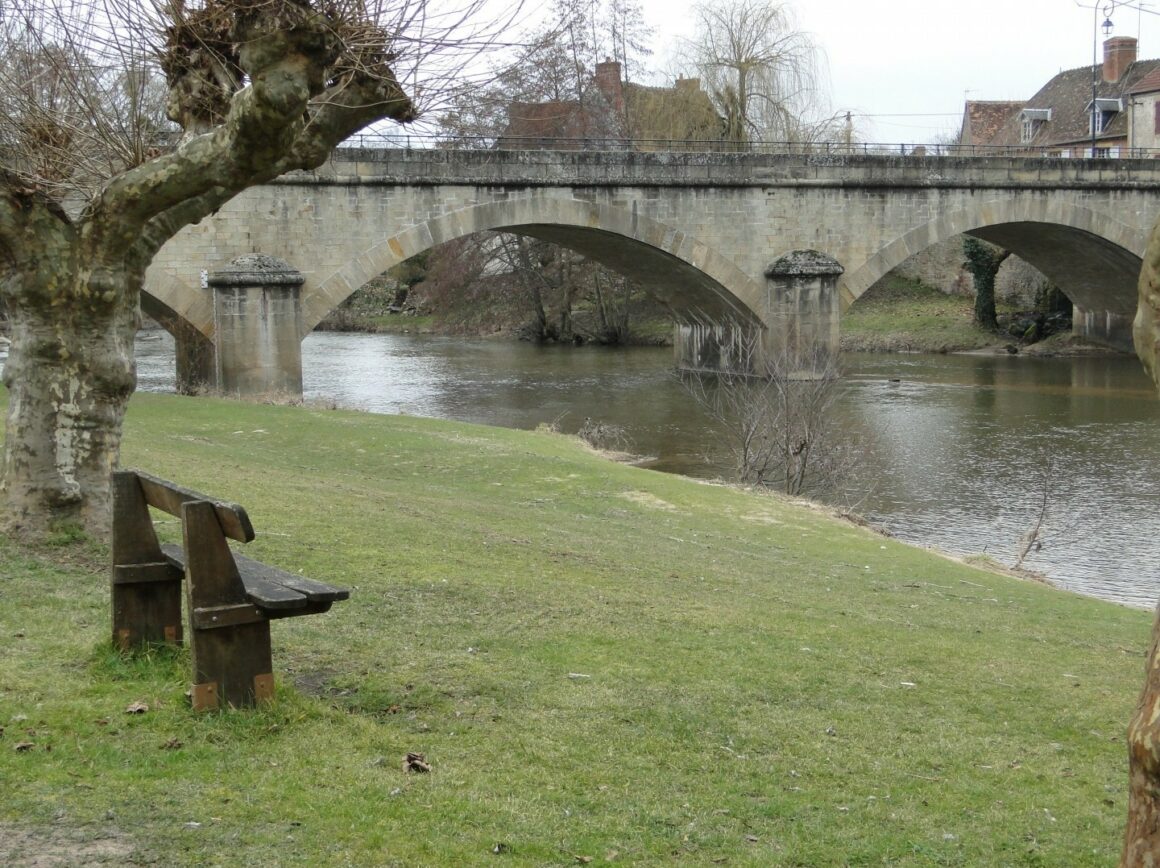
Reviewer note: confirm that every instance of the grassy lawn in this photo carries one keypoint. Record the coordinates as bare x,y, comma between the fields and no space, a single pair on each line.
600,663
905,315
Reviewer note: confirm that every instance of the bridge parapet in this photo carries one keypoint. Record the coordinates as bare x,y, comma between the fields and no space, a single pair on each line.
683,169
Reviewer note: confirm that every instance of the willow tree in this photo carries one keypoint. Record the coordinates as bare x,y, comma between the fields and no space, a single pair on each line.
765,75
122,121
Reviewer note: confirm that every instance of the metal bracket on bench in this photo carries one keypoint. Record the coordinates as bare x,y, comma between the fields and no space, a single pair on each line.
204,697
264,687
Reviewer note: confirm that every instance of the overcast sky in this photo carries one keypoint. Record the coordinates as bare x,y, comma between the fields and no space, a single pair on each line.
925,57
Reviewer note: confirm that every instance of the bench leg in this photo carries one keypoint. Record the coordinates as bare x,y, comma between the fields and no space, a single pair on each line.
232,664
146,590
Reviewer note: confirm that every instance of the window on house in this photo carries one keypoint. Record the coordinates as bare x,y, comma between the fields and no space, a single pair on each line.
1033,121
1156,110
1101,112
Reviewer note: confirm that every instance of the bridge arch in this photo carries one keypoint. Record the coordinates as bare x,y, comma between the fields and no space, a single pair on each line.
697,282
1093,257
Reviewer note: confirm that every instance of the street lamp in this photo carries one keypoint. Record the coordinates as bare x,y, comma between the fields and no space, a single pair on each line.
1107,28
1108,9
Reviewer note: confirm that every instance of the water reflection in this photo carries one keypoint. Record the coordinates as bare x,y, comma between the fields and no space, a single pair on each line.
956,446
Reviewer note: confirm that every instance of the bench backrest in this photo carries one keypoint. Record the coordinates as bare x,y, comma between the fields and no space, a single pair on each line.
167,497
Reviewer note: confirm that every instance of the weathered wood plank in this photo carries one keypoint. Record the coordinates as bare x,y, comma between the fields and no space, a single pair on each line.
312,590
226,662
129,574
260,581
308,609
169,497
214,617
143,612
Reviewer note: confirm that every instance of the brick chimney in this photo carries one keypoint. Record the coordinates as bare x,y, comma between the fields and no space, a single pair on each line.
1119,54
608,82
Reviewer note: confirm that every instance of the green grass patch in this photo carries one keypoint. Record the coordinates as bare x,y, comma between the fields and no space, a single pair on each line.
898,314
598,661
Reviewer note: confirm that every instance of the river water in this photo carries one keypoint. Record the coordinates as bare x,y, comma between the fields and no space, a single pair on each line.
956,448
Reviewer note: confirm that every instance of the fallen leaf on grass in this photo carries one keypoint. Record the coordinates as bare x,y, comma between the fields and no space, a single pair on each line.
583,860
173,744
137,707
416,762
23,746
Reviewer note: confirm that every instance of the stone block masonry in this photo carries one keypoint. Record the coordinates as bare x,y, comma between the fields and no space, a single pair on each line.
699,229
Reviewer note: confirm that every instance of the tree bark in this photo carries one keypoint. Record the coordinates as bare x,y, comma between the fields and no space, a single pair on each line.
69,374
1142,833
983,262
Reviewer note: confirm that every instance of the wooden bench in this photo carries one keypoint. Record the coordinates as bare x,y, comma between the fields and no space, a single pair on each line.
231,599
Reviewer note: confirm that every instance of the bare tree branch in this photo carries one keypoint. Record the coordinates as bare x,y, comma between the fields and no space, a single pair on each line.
765,75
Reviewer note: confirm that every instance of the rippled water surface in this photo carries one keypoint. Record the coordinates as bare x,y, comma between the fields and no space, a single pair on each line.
956,447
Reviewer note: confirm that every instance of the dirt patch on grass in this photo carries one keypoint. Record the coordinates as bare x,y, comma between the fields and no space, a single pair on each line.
645,498
22,847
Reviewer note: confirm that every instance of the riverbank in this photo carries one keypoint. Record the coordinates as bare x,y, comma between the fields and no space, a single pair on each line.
905,316
897,315
599,663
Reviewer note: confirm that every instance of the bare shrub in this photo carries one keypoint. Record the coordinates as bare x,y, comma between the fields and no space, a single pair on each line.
604,436
778,421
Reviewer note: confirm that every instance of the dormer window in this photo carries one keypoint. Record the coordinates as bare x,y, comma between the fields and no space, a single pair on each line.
1101,112
1032,122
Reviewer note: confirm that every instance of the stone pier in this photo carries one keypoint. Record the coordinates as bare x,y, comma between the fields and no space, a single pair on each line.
257,316
801,316
1103,327
804,310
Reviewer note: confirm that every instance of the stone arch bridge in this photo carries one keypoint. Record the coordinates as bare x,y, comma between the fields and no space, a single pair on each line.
701,230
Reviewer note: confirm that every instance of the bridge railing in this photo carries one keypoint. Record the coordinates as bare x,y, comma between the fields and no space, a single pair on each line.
376,140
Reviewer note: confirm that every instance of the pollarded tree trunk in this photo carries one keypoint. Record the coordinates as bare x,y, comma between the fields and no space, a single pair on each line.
70,368
69,375
1142,834
306,77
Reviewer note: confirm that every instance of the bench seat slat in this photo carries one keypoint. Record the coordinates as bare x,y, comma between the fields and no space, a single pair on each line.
272,588
314,591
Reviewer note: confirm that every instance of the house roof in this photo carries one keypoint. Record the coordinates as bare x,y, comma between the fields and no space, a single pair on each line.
541,120
983,118
618,111
1148,84
1068,95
